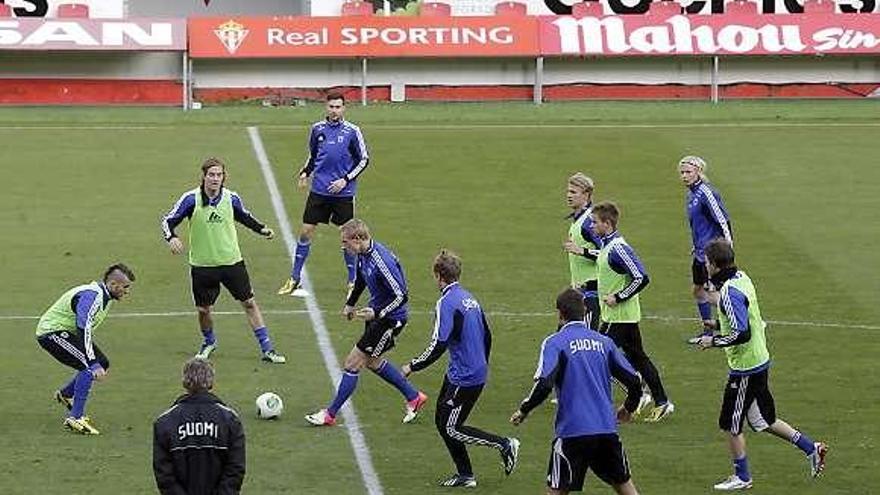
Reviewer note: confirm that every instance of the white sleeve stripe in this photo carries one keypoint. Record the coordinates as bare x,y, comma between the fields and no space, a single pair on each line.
234,195
87,337
362,143
175,210
716,211
383,268
435,336
637,280
540,369
727,306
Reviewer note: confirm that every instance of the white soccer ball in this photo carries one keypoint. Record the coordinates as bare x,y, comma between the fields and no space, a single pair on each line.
269,406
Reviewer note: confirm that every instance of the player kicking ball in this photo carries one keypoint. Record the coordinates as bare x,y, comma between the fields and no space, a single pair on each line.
384,318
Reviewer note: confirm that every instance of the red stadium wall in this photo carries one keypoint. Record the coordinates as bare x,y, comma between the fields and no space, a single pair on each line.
89,92
552,93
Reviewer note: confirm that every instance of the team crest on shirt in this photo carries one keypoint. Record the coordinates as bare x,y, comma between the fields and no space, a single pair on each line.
339,139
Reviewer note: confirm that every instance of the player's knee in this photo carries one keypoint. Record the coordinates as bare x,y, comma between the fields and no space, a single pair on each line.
249,304
204,310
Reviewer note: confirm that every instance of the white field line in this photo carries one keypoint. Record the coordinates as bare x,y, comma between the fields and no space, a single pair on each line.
440,127
500,314
358,442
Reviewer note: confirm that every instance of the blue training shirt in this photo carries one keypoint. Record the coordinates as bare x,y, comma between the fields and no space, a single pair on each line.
379,270
581,363
459,325
336,150
707,217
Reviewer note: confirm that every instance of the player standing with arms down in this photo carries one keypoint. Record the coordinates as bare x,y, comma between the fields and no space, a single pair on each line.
708,219
214,254
337,156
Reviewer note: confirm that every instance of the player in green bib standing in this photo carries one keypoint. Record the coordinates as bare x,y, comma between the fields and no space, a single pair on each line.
65,331
621,278
582,244
214,255
740,332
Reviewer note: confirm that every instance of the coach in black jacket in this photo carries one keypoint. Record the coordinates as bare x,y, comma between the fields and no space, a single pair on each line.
198,444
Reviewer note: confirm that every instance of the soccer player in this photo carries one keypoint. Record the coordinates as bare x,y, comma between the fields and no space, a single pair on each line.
337,157
579,363
747,394
583,244
708,219
214,254
65,332
460,326
621,278
198,444
384,318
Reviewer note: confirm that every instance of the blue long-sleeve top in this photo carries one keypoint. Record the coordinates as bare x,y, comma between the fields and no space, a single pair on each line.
85,304
336,150
707,217
579,364
184,207
379,270
623,259
459,325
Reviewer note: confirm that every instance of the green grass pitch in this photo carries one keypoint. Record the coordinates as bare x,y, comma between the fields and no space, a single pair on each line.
83,188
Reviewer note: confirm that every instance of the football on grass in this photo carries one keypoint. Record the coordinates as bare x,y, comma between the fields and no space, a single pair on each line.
269,406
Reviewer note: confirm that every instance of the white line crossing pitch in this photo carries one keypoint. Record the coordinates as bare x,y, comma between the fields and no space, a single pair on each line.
358,442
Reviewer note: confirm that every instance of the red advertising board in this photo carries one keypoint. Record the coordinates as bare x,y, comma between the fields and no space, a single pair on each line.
312,37
93,34
726,34
613,35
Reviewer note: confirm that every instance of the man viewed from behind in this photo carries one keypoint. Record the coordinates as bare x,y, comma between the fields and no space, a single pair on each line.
198,444
460,325
579,363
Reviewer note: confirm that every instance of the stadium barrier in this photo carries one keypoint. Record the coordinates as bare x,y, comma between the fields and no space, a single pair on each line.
667,54
660,54
76,60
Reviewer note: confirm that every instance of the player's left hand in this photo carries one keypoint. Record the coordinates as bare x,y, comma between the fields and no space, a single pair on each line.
517,417
623,416
348,312
337,185
365,314
406,370
705,342
610,300
267,233
570,247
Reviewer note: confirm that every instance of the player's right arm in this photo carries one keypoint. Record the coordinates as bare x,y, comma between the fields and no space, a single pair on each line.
233,472
545,376
354,294
183,208
309,167
163,464
624,373
446,322
88,303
